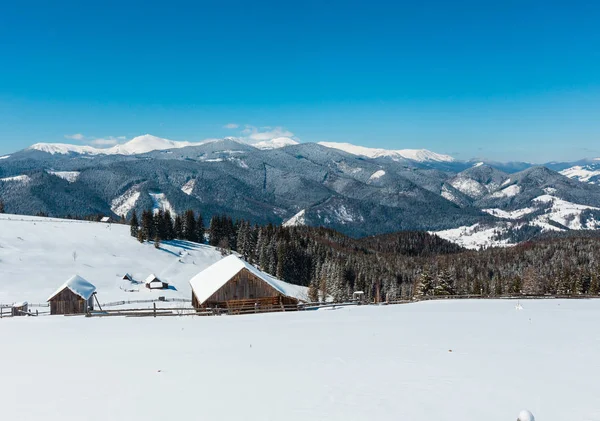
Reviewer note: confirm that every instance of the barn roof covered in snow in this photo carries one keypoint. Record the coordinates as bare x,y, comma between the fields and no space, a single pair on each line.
78,286
211,279
151,278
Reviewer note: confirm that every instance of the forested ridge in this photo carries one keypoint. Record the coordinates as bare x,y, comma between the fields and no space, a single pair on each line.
391,266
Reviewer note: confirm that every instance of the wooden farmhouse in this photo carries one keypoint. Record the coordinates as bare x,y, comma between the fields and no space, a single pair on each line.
232,283
152,282
75,296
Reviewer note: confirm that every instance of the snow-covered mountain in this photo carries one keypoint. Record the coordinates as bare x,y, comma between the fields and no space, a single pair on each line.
278,142
585,173
137,145
358,191
419,155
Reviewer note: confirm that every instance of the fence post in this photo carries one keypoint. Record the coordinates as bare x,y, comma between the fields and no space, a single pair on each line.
154,304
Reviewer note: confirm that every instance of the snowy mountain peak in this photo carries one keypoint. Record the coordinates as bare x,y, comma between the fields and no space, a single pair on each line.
137,145
278,142
420,155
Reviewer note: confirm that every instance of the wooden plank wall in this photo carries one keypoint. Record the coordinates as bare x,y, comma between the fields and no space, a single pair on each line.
244,286
66,302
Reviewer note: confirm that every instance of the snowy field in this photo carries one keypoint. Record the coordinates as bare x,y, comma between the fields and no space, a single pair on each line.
360,363
37,255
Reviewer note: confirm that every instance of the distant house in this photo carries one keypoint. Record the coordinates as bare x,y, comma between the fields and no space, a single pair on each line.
152,282
233,283
128,277
73,297
107,219
19,309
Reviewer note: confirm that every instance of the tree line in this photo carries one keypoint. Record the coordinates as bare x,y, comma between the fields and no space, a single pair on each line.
391,266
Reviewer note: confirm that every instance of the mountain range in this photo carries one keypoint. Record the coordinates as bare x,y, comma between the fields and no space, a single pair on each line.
357,190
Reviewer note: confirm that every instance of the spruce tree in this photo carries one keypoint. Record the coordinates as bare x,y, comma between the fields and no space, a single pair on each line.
148,225
169,230
2,210
189,226
200,229
178,228
425,284
445,284
313,292
134,224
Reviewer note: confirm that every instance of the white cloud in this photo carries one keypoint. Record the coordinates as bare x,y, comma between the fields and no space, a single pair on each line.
231,126
255,134
109,141
97,141
76,136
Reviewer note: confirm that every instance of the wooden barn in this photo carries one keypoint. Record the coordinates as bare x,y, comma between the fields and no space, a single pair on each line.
152,282
233,283
75,296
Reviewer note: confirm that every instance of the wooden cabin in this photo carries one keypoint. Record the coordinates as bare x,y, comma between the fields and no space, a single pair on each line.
127,277
233,283
20,309
107,219
76,296
152,282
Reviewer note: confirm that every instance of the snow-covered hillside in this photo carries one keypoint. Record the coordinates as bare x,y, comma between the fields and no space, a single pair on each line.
38,254
587,174
445,361
420,155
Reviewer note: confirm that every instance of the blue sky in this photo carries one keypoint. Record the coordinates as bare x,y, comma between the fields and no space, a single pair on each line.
509,80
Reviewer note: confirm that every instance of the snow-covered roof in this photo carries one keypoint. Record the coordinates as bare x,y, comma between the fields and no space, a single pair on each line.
20,304
211,279
105,219
78,286
152,278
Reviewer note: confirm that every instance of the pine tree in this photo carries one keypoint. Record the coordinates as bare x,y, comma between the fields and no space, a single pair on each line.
140,236
2,210
445,284
425,284
189,226
157,242
313,292
178,228
199,229
134,224
148,225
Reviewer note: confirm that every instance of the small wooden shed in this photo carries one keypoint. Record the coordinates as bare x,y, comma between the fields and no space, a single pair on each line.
107,219
76,296
152,282
233,282
20,309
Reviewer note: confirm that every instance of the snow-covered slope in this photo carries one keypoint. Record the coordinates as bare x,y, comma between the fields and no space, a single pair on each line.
123,204
420,155
587,174
37,255
298,219
160,202
476,236
17,179
188,187
70,176
468,360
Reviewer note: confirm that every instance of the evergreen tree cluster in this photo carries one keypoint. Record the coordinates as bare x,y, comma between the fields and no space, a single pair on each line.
391,266
161,226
